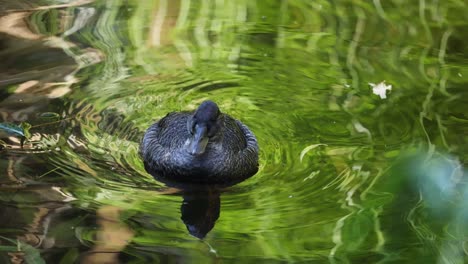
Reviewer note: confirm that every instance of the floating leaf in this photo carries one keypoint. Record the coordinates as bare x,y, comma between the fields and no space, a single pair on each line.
49,115
71,256
13,129
32,254
8,248
26,127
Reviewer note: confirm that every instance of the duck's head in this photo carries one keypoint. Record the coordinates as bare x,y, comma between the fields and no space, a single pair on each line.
203,125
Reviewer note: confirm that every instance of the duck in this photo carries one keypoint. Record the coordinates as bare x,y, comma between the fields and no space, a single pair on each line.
201,147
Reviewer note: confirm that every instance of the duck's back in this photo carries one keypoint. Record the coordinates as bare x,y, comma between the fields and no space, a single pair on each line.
231,137
164,149
172,130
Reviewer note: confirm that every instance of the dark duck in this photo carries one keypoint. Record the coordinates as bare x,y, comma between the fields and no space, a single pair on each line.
203,147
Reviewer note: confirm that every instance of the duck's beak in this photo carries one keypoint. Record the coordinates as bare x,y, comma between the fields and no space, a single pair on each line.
199,140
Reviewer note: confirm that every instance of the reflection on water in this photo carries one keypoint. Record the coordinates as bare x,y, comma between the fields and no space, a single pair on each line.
346,175
112,237
442,185
200,210
429,201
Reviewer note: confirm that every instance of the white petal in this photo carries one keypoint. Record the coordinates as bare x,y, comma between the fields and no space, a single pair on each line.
380,89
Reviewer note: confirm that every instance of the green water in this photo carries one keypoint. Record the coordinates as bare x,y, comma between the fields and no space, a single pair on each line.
346,176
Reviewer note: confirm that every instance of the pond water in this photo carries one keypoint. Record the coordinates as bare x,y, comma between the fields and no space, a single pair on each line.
359,108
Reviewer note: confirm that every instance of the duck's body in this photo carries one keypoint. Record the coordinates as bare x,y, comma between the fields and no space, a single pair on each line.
200,147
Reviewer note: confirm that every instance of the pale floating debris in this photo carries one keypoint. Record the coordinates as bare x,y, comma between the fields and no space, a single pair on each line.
380,89
307,149
362,129
59,92
68,197
311,175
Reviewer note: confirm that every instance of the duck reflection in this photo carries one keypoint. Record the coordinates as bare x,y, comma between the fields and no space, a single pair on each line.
200,210
201,205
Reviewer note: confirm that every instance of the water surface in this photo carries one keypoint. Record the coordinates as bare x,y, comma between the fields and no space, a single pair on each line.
348,174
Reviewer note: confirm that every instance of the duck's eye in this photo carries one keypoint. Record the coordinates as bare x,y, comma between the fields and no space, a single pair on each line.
212,130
